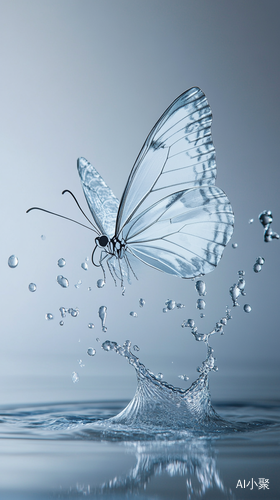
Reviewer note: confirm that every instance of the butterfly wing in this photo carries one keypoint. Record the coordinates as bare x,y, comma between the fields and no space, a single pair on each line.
183,234
178,154
171,215
101,201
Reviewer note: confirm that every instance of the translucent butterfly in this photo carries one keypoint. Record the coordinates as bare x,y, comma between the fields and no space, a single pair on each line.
171,215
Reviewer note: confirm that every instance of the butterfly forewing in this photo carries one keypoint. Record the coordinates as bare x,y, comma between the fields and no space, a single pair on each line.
178,154
100,198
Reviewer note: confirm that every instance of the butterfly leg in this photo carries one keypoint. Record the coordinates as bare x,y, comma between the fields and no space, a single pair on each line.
129,266
110,270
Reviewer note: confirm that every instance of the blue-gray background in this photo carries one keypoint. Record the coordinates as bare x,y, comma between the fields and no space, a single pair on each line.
90,78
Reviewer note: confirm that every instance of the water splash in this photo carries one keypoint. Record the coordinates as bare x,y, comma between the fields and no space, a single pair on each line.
12,261
103,315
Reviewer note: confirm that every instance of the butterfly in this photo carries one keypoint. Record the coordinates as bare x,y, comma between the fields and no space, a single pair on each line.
171,215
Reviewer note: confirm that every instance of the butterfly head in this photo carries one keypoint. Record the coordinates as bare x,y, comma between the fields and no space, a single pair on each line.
102,241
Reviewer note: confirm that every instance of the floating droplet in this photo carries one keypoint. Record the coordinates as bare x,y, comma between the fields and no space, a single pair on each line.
136,348
170,304
78,284
223,321
257,268
109,346
12,261
141,302
266,218
200,287
102,315
200,304
251,221
234,292
61,323
49,316
234,245
202,315
74,312
165,310
75,377
247,308
62,281
241,273
180,306
32,287
269,235
260,260
97,339
183,377
100,283
89,289
63,311
133,314
159,376
43,237
91,325
87,259
61,262
81,363
190,323
84,266
91,351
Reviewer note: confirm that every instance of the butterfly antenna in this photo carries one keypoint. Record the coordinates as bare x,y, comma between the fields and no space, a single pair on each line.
75,199
62,216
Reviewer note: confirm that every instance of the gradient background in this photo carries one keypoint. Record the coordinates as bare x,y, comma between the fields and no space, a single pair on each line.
90,78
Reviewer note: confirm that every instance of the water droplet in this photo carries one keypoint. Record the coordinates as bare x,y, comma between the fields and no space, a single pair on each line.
165,310
104,329
78,284
269,235
133,314
234,245
32,287
89,289
257,268
49,316
170,304
75,377
200,287
62,281
141,302
109,346
87,259
91,351
202,315
84,266
190,323
81,363
223,321
180,306
136,348
241,273
91,325
102,315
241,285
61,323
97,339
12,261
43,237
200,304
61,262
251,221
266,218
183,377
100,283
234,292
159,376
247,308
260,260
74,313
